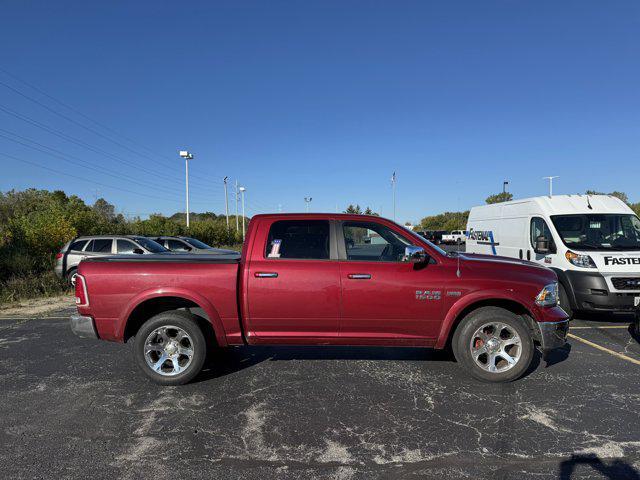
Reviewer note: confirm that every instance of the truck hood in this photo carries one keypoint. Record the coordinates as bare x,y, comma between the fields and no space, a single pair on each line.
477,257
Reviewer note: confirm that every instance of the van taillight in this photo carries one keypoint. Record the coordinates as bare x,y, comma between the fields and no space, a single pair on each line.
82,299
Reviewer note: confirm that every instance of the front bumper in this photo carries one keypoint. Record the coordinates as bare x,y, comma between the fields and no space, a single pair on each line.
591,293
83,327
553,334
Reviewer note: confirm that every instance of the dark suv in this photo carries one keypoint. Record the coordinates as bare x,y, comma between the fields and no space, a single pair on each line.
190,245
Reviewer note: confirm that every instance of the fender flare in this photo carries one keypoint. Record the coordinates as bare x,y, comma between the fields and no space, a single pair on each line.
202,302
563,279
476,297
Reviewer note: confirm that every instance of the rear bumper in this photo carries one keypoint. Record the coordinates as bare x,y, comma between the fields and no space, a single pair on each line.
553,334
83,327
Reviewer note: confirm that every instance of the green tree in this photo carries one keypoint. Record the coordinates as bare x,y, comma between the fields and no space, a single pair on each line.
445,221
621,195
499,197
353,210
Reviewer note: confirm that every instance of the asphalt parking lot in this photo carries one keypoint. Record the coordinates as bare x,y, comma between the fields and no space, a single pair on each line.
71,408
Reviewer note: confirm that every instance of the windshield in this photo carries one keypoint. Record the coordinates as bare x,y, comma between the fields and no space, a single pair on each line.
599,231
197,243
150,245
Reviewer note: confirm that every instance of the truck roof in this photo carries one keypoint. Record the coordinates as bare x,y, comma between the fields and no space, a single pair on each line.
342,216
561,205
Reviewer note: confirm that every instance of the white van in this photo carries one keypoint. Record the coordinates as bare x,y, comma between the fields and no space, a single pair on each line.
592,242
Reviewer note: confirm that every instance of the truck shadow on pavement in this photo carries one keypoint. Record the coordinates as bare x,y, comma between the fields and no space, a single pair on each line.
617,469
231,360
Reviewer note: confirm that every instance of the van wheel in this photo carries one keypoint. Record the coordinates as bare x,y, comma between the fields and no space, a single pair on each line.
564,301
493,345
71,277
170,348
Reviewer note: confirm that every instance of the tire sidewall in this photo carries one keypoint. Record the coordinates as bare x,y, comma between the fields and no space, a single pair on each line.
188,323
475,320
69,276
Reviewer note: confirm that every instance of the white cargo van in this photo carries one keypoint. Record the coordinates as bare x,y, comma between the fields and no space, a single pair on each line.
591,241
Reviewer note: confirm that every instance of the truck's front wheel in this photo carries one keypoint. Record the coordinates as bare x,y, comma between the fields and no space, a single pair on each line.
170,348
493,344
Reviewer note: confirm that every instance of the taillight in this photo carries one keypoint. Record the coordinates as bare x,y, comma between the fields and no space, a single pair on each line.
59,255
82,299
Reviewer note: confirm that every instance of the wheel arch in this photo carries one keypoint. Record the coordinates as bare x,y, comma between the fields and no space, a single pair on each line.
456,315
151,304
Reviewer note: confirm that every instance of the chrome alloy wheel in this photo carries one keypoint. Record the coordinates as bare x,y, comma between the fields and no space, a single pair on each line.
168,350
495,347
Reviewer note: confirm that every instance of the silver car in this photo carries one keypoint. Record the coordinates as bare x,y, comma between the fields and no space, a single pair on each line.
78,249
191,245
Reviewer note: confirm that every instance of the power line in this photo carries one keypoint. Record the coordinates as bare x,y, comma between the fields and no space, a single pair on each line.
88,146
79,177
78,112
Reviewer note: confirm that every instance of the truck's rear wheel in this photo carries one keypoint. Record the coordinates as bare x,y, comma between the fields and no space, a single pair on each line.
493,344
170,348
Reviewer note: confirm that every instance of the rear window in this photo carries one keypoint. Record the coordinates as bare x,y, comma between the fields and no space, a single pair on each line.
302,239
100,245
78,245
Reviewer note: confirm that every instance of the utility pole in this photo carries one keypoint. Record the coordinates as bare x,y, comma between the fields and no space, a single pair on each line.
550,183
187,156
307,200
504,186
226,201
242,190
393,189
237,197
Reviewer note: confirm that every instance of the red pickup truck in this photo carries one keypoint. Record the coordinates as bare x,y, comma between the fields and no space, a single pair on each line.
322,279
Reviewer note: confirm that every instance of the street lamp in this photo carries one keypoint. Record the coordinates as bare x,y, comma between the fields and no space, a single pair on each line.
307,201
242,190
187,156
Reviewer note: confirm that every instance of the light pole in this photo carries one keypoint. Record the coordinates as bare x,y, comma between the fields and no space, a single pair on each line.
504,186
307,201
187,156
237,196
226,201
242,190
393,188
550,183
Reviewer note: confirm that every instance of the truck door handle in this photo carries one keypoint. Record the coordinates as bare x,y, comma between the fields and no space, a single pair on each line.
266,274
359,276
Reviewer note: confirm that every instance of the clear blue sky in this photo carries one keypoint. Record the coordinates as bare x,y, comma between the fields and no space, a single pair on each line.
323,99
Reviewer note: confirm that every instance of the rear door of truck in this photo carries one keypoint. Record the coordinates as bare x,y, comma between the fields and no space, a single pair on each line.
292,281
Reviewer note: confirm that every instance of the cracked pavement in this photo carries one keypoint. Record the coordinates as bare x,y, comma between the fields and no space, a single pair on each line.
72,407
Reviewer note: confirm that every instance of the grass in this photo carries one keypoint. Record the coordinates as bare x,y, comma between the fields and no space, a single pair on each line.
26,286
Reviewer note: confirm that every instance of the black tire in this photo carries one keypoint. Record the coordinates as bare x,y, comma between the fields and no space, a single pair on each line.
564,300
465,334
70,277
175,320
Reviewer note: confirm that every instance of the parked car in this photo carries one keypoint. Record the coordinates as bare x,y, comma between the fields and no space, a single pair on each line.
190,245
434,236
592,242
456,237
80,248
313,279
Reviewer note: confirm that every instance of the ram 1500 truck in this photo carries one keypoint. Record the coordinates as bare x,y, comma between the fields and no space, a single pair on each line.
322,279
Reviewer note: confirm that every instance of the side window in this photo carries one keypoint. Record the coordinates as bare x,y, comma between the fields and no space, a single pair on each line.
100,245
177,246
78,245
125,246
301,239
539,228
373,242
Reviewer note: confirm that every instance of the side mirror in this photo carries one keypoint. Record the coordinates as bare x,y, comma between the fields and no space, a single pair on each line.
414,254
138,251
542,244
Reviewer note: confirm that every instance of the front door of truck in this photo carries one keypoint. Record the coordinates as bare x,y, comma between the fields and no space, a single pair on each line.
293,285
384,297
